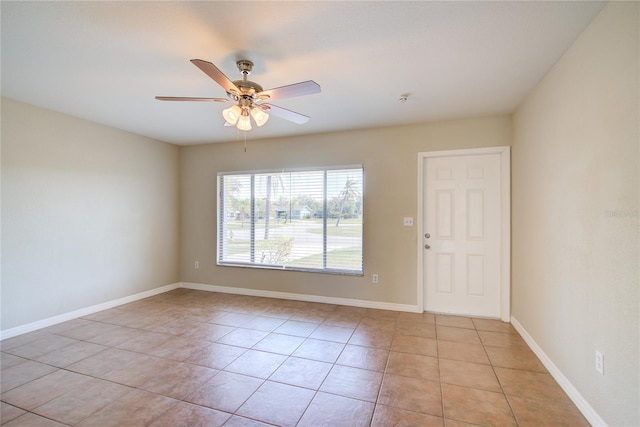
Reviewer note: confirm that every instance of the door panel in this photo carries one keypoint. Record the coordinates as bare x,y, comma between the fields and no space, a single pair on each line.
444,273
445,220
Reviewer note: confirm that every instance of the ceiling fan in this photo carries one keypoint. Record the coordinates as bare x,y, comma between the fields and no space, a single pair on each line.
249,97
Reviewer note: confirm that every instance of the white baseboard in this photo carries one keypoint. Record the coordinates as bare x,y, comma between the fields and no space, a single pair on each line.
587,410
30,327
302,297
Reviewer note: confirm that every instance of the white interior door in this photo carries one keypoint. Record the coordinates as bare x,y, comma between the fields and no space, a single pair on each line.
462,234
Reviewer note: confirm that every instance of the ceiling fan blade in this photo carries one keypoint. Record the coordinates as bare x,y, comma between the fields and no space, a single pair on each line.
212,71
184,98
283,113
297,89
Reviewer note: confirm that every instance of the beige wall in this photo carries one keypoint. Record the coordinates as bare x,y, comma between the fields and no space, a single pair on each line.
389,156
89,214
575,214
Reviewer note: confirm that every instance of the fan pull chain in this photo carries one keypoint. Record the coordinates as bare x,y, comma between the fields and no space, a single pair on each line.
245,138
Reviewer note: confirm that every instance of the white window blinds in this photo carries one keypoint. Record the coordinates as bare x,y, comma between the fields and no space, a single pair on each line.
300,220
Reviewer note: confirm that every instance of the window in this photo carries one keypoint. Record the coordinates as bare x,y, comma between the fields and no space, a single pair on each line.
300,220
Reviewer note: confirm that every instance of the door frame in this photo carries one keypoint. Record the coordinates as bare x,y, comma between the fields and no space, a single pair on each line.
505,226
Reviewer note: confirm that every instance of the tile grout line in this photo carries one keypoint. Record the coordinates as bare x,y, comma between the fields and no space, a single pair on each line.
444,415
515,418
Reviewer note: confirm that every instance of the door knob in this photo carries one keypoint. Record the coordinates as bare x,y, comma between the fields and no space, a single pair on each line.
427,235
427,246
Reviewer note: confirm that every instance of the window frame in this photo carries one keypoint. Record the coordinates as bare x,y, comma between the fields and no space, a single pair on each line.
252,173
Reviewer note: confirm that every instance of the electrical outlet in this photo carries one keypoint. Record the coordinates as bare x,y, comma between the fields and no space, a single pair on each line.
599,363
374,278
408,221
196,265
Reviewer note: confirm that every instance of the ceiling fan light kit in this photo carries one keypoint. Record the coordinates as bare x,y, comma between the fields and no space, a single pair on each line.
232,114
259,116
249,96
244,122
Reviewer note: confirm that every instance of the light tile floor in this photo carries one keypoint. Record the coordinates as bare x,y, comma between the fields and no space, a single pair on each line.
194,358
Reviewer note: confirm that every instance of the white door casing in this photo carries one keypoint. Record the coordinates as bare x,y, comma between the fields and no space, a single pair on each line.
464,205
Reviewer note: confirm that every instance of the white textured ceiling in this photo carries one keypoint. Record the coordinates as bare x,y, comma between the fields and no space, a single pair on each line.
105,61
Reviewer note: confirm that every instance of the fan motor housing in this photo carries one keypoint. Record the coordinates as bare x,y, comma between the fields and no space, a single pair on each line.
247,87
